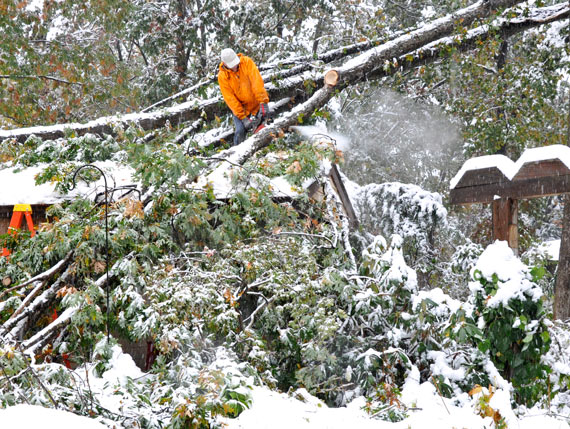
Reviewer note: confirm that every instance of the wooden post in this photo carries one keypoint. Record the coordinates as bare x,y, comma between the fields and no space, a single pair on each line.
505,222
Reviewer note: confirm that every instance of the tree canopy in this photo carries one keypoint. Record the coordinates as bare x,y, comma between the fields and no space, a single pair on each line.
246,253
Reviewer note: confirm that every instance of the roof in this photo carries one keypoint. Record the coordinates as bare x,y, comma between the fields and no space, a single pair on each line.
19,185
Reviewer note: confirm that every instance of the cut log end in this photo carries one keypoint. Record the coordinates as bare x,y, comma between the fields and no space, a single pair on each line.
6,281
331,78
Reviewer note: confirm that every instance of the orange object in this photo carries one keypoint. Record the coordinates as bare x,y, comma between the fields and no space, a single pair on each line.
20,211
64,356
243,89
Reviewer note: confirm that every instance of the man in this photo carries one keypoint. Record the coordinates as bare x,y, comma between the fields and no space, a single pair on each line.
243,90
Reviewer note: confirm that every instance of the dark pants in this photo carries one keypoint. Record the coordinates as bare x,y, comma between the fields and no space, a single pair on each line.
239,134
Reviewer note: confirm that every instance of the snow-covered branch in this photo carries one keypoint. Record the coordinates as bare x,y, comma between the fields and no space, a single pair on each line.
352,71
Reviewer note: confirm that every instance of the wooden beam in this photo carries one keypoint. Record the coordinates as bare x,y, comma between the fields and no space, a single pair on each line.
505,222
482,177
517,189
339,185
543,168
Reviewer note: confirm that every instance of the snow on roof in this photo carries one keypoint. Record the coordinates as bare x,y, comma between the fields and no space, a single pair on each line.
501,162
19,185
555,151
508,167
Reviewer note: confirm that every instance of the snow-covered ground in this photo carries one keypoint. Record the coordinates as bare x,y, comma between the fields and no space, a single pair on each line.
273,410
298,410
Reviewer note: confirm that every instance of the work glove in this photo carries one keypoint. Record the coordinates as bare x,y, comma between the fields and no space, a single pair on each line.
247,123
264,109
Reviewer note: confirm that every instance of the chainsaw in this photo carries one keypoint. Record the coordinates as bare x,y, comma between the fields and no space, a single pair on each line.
258,122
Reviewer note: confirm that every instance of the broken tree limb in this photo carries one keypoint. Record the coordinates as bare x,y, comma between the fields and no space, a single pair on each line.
34,309
44,337
505,27
339,218
378,58
45,276
331,78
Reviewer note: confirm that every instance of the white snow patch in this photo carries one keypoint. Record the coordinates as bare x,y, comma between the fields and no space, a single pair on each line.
23,189
551,249
34,416
514,277
501,162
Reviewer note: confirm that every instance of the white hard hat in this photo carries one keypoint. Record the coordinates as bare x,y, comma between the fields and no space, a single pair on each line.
229,58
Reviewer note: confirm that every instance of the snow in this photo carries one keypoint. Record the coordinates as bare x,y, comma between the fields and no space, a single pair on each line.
57,28
122,368
444,302
273,410
508,167
35,5
33,416
514,279
428,12
551,249
27,192
220,180
270,409
501,162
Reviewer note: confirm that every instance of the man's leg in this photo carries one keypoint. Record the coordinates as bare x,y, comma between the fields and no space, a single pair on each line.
239,134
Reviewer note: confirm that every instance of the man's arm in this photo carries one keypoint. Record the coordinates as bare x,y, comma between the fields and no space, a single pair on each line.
230,99
257,85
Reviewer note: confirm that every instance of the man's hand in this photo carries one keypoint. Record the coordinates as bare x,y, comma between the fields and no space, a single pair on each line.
247,123
264,109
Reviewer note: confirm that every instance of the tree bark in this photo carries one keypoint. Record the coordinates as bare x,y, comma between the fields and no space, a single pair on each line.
181,58
562,287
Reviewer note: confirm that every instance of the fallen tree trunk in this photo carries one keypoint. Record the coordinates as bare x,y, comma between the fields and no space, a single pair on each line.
192,110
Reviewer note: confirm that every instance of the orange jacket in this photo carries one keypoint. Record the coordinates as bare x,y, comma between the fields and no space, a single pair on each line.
243,90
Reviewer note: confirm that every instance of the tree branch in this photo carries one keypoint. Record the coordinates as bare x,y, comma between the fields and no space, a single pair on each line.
40,76
45,276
